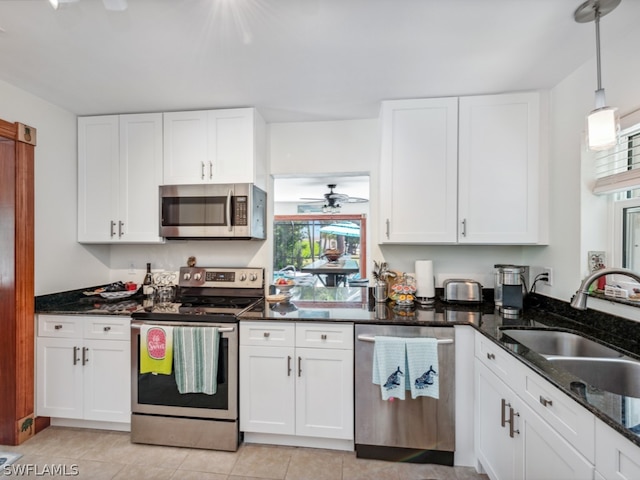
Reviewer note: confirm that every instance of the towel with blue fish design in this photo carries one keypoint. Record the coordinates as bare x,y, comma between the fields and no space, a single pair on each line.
389,366
422,367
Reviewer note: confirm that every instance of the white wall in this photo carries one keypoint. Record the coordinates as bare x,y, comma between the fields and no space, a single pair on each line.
60,262
578,220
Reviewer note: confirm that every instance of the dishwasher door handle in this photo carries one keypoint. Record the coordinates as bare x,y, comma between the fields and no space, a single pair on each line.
369,338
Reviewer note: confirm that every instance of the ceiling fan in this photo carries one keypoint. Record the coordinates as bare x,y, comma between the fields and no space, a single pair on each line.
334,200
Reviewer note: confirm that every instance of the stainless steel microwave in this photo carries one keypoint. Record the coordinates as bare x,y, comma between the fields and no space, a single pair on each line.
209,212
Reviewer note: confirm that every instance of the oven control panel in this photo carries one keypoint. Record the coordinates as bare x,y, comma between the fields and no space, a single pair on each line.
224,277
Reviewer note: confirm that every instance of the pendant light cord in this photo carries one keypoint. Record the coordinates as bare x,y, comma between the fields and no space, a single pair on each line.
597,22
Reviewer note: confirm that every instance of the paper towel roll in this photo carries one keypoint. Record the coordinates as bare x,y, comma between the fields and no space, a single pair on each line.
424,279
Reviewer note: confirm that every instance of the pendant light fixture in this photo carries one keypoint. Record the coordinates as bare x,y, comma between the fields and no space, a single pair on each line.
602,122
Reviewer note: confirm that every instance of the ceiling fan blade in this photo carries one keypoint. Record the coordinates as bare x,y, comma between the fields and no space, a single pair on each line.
355,200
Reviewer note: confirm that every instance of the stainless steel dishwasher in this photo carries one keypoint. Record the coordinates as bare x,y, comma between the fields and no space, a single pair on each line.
420,430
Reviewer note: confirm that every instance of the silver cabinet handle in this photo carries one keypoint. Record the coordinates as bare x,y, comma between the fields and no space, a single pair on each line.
85,358
120,229
491,356
288,365
202,170
503,416
75,355
388,228
323,336
299,366
464,227
512,430
57,327
113,228
107,329
210,170
546,402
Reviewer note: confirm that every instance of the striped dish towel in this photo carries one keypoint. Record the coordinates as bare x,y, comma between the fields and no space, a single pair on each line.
195,358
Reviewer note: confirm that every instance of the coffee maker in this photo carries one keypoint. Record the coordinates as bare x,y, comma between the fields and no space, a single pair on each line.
510,287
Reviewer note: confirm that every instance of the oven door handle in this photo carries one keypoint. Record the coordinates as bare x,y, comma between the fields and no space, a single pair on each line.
369,338
220,329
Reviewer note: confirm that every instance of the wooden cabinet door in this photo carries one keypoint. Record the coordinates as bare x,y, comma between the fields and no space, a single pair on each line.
267,389
418,172
107,380
498,186
59,377
98,179
324,393
140,177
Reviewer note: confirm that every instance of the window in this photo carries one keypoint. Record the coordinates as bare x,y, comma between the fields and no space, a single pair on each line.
301,245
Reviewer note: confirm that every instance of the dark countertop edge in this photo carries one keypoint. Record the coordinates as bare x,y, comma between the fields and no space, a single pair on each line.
71,302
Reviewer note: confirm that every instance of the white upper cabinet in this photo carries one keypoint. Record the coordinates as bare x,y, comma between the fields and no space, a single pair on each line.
462,170
119,172
419,171
499,169
215,146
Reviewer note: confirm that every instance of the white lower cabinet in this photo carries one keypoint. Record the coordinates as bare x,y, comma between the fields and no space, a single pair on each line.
296,380
83,368
513,442
616,457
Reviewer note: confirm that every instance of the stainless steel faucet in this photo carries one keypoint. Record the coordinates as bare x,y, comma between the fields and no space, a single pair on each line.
579,300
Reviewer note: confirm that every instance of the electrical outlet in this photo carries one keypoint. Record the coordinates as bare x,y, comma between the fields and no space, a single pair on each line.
132,268
549,272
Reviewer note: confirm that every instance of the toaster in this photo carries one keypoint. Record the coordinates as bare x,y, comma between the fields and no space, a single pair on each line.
461,290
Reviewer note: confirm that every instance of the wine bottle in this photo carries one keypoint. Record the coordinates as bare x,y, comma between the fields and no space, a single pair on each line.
147,290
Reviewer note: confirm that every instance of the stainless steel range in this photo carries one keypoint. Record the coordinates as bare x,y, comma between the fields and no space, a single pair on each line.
207,298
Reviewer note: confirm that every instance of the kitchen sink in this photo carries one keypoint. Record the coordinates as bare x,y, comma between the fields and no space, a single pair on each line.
615,375
556,343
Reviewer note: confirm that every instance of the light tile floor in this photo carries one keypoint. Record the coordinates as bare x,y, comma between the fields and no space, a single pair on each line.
103,455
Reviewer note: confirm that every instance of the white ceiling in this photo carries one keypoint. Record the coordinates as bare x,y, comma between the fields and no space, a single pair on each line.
292,189
295,60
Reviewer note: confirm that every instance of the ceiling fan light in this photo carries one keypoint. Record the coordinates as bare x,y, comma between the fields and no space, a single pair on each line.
602,128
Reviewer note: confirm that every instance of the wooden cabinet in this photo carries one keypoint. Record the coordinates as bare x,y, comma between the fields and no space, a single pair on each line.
512,440
296,380
119,172
83,368
462,170
215,146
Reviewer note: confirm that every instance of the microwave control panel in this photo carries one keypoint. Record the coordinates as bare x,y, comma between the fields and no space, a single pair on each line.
240,211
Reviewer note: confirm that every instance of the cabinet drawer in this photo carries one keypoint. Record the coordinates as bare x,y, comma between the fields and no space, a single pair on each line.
61,326
570,420
495,358
266,333
324,335
106,328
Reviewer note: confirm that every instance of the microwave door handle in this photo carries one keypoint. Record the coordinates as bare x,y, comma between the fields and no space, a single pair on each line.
229,224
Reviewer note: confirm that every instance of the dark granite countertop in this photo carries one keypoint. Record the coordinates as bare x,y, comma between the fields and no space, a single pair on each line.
355,305
75,302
